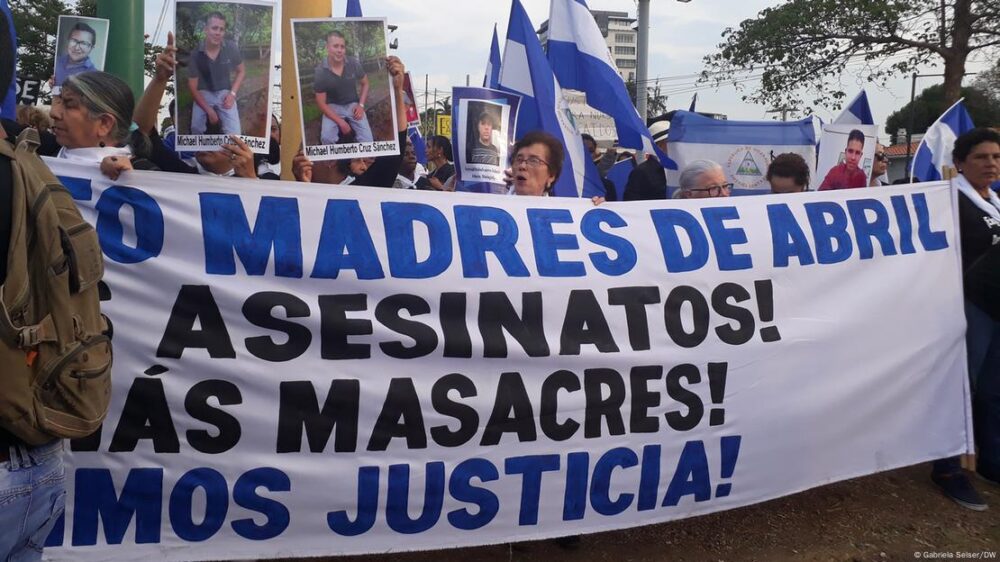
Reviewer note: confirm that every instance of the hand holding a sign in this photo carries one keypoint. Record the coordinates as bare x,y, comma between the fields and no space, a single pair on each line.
113,166
302,167
242,157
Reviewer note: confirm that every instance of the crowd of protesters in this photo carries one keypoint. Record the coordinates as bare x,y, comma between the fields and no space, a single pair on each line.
96,120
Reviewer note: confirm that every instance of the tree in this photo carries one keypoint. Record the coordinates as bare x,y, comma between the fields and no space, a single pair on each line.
656,102
36,22
805,46
989,82
931,103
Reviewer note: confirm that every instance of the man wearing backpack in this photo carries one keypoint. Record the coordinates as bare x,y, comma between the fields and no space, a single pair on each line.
55,348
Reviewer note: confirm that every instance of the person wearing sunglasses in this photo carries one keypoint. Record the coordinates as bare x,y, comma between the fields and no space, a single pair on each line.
702,179
76,59
879,168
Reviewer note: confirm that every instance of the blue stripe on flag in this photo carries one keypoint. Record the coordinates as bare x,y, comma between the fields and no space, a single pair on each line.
693,128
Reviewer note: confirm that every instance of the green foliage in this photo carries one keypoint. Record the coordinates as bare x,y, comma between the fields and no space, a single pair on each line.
656,102
36,22
365,40
931,103
247,25
803,48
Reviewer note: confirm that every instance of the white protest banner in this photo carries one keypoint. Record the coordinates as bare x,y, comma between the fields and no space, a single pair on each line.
306,371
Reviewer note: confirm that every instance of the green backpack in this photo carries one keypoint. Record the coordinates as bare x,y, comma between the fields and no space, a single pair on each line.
55,346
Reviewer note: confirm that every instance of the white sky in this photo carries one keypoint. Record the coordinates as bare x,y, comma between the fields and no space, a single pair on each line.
445,40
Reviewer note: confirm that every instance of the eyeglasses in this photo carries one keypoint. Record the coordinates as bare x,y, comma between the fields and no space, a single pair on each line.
531,161
714,190
881,156
84,44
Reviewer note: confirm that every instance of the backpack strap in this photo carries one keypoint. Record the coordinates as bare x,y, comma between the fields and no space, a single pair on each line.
25,337
28,141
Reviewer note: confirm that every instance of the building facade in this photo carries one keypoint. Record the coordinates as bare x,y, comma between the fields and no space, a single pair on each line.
619,33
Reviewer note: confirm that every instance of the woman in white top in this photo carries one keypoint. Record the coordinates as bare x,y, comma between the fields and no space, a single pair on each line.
92,121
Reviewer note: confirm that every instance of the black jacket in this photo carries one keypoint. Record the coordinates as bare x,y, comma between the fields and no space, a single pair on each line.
647,182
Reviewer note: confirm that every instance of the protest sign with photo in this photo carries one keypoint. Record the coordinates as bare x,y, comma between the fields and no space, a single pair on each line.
846,155
224,80
348,102
81,45
303,372
484,127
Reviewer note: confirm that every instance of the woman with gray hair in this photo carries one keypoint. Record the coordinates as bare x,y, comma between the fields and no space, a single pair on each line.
92,121
701,179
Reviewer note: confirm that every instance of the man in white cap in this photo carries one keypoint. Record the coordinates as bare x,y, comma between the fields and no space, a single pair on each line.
648,181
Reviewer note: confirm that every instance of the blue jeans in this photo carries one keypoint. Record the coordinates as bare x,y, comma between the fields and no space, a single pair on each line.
330,132
32,497
230,118
983,345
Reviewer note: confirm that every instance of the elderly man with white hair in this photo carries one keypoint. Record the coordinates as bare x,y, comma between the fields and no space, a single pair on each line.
701,179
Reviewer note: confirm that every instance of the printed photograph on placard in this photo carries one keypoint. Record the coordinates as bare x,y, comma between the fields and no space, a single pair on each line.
81,45
224,76
846,155
348,103
483,132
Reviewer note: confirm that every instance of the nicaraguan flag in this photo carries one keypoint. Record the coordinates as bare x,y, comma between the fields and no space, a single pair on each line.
858,112
418,144
525,71
354,9
934,153
492,79
744,149
8,108
579,56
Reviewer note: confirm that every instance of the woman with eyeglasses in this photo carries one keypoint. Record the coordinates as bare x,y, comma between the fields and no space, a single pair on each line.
536,162
976,155
701,179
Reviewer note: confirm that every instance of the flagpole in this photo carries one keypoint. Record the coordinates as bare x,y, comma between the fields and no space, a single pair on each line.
291,111
642,56
125,44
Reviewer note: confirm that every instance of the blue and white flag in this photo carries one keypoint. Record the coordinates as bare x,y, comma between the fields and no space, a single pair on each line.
8,101
354,9
492,79
858,112
934,153
419,146
579,56
526,71
618,176
744,149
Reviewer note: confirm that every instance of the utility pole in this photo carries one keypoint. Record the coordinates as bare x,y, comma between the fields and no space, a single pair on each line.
642,56
782,110
427,93
125,45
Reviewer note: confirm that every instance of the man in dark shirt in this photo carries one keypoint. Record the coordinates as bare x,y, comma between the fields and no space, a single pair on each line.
847,174
211,82
336,84
482,150
648,181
